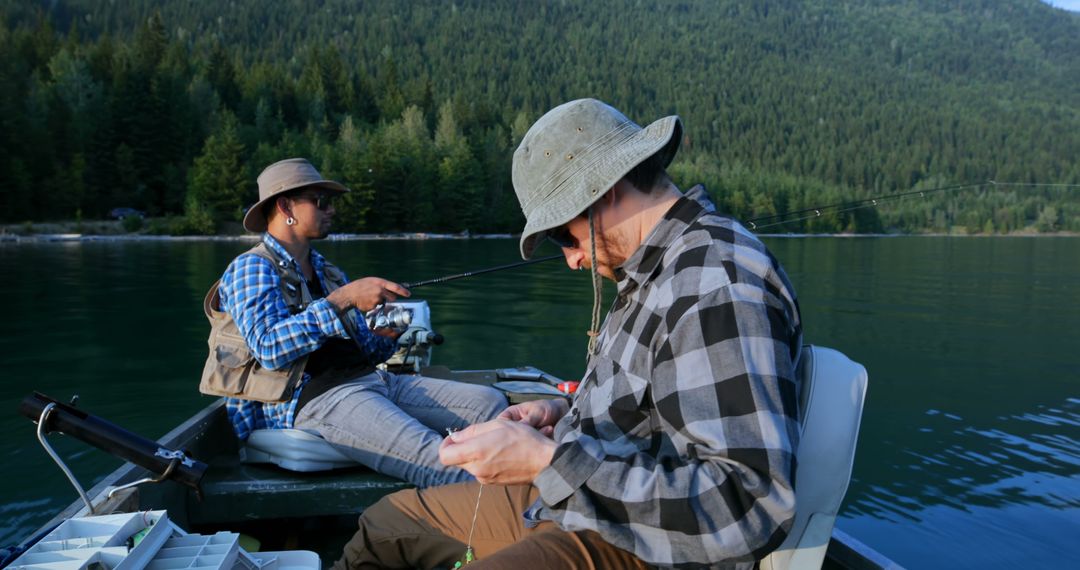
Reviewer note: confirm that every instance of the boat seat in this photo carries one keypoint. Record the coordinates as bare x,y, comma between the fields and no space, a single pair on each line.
293,449
830,409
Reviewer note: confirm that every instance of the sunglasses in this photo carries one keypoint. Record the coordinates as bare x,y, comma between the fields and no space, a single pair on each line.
321,201
561,237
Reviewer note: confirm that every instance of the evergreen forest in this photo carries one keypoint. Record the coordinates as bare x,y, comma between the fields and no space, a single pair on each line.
174,107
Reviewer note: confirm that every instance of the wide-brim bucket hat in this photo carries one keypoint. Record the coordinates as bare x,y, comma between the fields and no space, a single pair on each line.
574,154
284,176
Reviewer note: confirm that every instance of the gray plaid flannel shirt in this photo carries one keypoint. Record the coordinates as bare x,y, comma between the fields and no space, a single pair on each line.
680,444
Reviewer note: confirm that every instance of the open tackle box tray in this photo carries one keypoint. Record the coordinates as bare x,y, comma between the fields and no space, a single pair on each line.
148,540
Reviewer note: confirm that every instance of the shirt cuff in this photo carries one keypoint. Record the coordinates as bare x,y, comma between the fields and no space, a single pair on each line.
327,318
573,463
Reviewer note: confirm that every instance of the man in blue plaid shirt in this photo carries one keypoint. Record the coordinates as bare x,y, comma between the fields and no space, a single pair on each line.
306,360
678,449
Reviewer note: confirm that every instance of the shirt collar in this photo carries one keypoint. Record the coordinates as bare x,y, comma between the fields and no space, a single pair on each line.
646,262
317,260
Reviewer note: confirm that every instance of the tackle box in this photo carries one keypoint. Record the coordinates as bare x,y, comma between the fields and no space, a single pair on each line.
148,541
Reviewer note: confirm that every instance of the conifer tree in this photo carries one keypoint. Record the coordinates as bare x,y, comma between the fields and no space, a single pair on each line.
219,182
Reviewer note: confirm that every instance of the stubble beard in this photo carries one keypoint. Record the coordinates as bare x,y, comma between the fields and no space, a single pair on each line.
608,256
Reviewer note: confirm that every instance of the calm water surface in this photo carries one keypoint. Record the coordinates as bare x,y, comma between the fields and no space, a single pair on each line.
969,454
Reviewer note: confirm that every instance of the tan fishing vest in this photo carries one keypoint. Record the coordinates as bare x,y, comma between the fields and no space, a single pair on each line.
231,370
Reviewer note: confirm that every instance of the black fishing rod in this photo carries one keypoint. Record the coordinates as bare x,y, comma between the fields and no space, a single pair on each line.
781,219
478,272
874,201
399,319
818,211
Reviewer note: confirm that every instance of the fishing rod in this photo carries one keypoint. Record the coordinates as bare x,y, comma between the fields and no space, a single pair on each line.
398,318
781,219
479,272
874,201
752,223
818,211
379,318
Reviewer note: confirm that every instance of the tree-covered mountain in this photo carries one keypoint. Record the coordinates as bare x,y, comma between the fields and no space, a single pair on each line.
174,107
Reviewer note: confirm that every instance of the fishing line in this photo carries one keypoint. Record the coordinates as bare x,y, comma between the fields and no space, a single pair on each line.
1054,184
470,557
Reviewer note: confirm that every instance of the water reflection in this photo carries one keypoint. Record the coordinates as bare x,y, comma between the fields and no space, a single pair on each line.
962,465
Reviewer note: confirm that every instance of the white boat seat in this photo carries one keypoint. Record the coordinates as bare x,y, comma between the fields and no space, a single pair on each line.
293,449
830,409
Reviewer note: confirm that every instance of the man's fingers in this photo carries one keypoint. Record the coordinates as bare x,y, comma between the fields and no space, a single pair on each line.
462,435
514,413
529,413
450,454
458,451
396,289
470,444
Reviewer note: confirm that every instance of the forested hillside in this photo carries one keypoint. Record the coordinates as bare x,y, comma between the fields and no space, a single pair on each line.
174,107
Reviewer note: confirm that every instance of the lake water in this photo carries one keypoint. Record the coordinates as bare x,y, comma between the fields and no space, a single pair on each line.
969,454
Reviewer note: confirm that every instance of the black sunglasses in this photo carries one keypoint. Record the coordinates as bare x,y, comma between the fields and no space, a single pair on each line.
561,237
321,201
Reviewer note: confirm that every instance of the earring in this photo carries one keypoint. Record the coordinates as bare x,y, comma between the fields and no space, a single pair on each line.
290,221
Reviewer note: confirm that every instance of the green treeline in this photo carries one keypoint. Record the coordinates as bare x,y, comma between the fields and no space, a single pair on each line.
173,108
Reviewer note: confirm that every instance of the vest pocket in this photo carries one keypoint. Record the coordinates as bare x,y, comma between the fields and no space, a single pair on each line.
234,366
232,371
227,368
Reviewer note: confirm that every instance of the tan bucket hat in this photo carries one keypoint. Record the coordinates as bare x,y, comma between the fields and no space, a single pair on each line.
574,154
281,177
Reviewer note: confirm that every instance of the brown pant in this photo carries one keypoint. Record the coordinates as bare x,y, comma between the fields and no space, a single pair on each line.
430,528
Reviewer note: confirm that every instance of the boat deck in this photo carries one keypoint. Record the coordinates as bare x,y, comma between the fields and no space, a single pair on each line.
231,491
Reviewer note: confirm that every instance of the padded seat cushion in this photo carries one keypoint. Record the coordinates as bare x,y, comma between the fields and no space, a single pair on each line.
293,449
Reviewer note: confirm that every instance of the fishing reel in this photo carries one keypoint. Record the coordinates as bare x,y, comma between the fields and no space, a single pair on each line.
413,320
392,316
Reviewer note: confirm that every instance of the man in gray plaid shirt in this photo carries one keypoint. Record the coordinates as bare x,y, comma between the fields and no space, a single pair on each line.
679,446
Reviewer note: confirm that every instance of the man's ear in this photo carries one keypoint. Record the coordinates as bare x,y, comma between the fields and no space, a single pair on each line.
282,205
610,197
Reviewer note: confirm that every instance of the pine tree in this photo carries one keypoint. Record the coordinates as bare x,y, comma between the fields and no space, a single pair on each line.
219,183
458,187
351,155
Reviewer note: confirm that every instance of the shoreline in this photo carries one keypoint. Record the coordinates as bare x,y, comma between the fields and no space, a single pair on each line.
76,237
112,231
9,238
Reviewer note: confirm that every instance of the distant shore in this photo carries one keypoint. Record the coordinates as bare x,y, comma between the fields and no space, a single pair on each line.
76,237
114,231
109,230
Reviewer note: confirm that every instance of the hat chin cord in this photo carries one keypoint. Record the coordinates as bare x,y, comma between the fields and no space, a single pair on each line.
598,286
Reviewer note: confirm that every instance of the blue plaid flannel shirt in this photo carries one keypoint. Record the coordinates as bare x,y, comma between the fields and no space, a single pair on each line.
251,293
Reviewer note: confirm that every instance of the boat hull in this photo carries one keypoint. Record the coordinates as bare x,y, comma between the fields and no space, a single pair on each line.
285,510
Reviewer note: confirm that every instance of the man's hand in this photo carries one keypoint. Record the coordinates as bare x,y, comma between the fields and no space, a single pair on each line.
540,414
388,332
365,294
499,451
